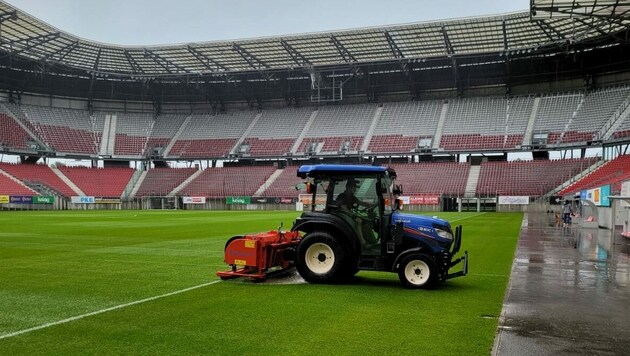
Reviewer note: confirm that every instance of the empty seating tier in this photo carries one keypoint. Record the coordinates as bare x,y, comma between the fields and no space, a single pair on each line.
453,125
530,178
332,144
597,108
211,135
480,124
161,181
556,113
228,181
623,131
202,148
268,147
99,182
12,135
613,172
402,124
132,133
38,174
284,185
447,178
335,124
10,187
393,143
66,130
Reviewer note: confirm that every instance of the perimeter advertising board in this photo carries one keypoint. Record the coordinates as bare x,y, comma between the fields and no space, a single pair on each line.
513,200
598,196
43,199
420,199
424,200
194,200
27,199
237,200
82,200
21,199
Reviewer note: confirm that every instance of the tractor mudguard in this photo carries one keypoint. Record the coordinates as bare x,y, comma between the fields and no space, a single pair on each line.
309,222
405,253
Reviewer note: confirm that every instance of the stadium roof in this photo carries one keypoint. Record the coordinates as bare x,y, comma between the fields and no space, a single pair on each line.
541,9
26,36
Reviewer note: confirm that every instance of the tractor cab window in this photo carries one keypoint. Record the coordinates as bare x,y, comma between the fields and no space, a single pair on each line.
353,193
320,197
357,202
387,187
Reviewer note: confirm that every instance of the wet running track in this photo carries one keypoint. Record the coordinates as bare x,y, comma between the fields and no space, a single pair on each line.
569,292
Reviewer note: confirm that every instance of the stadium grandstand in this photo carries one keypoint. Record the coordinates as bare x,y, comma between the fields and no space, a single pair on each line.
452,105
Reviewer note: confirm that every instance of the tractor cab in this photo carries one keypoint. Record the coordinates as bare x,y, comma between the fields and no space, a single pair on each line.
362,200
353,223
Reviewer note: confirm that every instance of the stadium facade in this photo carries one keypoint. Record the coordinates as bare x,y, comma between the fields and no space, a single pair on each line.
521,82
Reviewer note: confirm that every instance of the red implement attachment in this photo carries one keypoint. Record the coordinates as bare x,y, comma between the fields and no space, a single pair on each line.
256,256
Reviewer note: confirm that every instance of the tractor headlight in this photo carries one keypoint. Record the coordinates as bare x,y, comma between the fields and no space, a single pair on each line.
444,234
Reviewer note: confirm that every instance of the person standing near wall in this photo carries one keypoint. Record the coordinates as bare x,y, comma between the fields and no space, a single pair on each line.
567,209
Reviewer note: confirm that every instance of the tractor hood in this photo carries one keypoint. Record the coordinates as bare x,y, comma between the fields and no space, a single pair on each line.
424,227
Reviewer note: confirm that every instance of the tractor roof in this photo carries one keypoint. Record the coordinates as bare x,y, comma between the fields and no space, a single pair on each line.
323,169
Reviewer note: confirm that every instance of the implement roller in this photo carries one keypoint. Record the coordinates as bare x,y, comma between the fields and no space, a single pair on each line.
260,255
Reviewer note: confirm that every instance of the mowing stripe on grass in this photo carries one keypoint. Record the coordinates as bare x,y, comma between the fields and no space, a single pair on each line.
43,326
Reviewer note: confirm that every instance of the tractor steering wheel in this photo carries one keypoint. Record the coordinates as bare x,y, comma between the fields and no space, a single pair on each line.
364,210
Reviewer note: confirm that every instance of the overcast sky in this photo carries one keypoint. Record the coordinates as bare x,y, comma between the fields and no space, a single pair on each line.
149,22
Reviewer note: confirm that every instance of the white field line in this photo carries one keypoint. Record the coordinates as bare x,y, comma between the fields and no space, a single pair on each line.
468,217
54,323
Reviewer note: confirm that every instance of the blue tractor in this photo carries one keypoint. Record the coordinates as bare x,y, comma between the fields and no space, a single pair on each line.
353,222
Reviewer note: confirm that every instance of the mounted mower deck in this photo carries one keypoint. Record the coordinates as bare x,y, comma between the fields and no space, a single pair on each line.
258,256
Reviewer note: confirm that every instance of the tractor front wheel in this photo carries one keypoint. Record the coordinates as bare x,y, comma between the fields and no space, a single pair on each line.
417,271
320,258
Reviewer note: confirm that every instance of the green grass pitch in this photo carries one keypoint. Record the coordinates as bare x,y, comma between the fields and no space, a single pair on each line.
106,267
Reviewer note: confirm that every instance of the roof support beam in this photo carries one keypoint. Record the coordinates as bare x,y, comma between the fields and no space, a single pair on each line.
63,51
135,68
393,46
297,57
343,51
448,46
8,16
98,59
149,54
598,28
248,57
39,40
560,35
205,60
447,42
161,61
506,46
505,39
608,10
45,37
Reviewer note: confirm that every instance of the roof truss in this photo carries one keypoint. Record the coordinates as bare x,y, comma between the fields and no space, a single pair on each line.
210,64
254,62
24,35
343,51
163,62
297,57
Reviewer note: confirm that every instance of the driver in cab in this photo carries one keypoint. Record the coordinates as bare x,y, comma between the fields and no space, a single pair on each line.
348,202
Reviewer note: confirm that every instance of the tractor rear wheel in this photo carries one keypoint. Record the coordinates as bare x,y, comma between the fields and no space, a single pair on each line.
320,258
417,271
